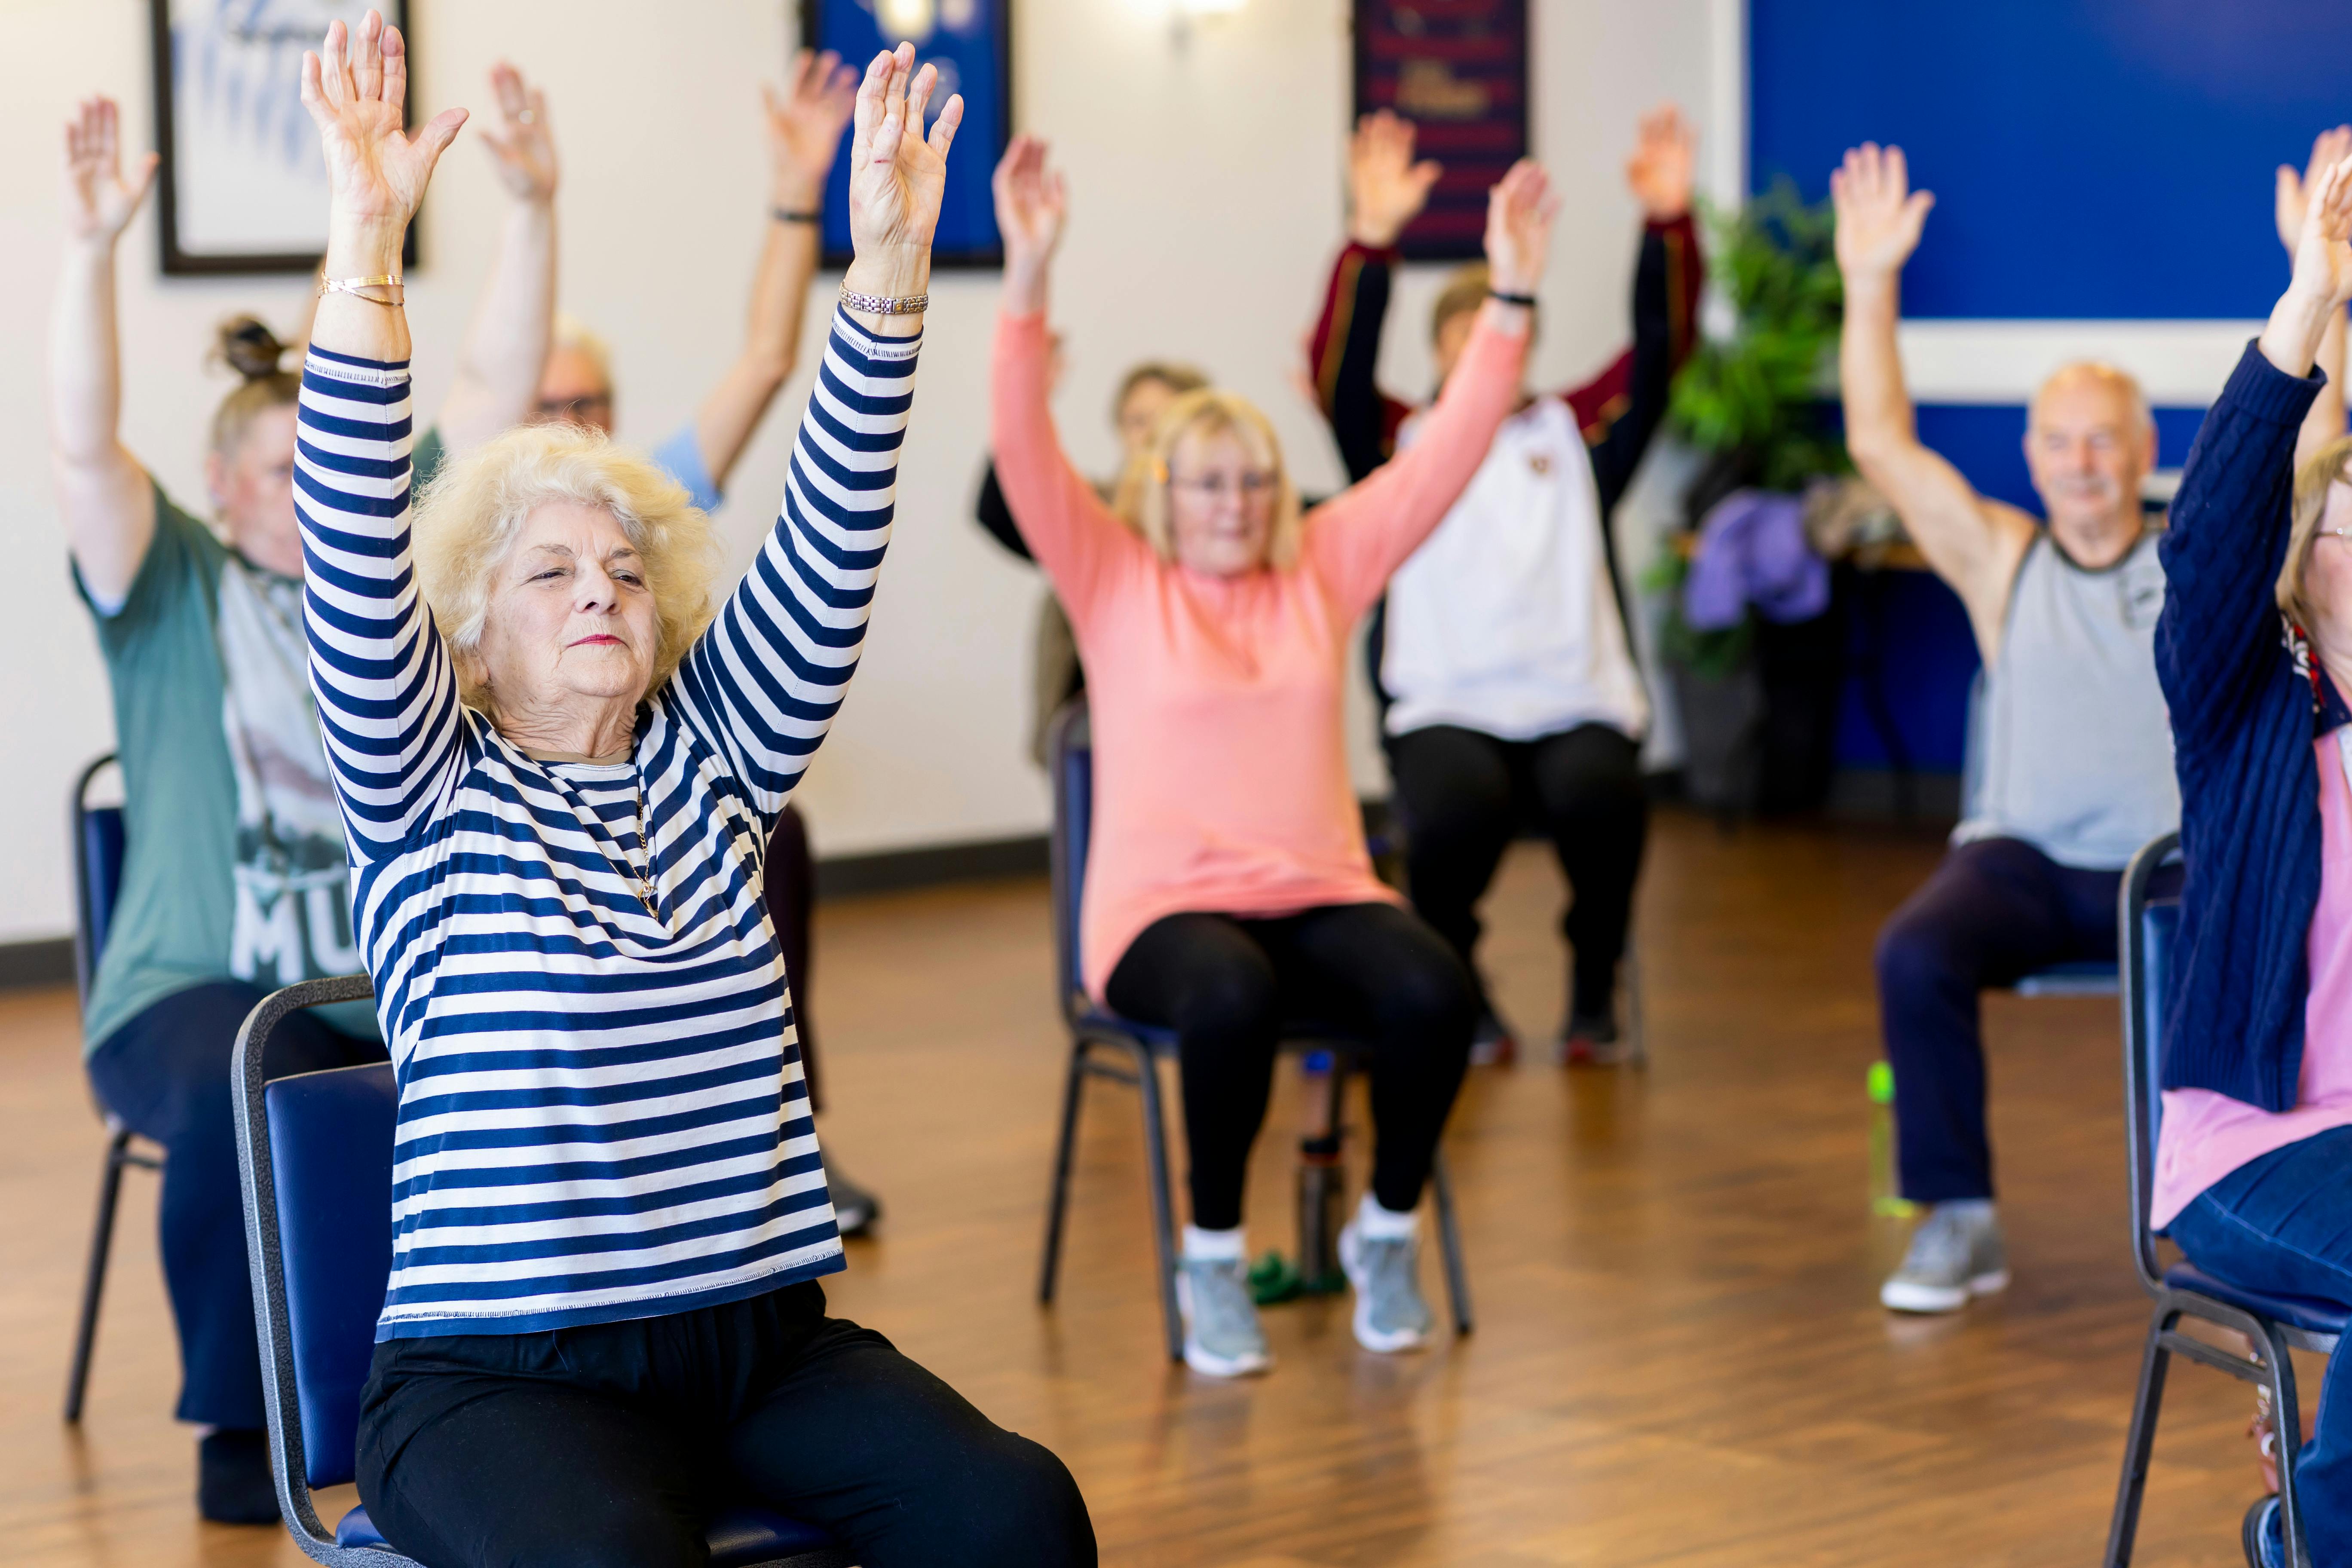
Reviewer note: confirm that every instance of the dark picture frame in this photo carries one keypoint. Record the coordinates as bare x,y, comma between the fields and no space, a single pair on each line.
1459,72
977,45
206,68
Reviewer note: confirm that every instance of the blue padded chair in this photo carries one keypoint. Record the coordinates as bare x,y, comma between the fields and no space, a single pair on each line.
96,834
1135,1049
2150,920
317,1228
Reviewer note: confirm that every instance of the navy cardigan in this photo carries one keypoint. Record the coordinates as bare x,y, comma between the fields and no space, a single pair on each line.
2242,727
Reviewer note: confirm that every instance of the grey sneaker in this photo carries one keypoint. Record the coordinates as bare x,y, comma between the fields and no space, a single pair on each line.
1389,1313
1956,1254
1221,1337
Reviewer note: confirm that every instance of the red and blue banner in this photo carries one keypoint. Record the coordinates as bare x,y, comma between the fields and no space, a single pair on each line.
1458,70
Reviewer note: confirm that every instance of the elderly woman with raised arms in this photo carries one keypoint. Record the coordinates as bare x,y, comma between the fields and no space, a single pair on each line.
2254,1159
558,769
1230,879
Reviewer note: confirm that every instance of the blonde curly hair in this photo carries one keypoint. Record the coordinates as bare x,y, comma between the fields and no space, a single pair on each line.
469,518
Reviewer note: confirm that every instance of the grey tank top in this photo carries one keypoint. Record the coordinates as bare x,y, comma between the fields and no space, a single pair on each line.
2077,746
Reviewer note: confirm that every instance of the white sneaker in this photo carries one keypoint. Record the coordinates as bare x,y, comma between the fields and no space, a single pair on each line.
1957,1255
1391,1316
1221,1336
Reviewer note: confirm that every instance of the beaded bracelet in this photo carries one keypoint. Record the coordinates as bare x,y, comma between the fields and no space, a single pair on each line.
882,305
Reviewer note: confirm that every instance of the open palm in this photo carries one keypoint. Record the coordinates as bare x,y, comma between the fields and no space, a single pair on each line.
98,201
1665,154
1032,203
357,93
806,119
1520,214
1386,189
523,152
2293,197
2323,255
896,174
1879,215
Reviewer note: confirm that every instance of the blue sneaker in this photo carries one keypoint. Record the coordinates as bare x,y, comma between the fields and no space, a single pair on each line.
2260,1535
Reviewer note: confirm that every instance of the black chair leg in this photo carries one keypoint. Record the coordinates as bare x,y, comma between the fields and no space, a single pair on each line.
2139,1441
1057,1206
93,1285
1449,1242
1163,1214
2278,1354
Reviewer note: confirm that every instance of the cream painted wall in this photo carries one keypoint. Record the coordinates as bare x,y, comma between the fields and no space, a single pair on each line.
1205,169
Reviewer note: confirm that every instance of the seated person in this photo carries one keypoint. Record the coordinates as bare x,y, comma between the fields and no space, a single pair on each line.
1229,883
234,881
2077,761
1144,393
2252,1174
558,769
1501,653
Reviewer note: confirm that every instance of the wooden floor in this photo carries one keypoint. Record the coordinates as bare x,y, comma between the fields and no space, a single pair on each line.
1679,1357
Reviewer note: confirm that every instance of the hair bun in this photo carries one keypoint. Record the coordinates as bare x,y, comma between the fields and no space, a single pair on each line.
249,348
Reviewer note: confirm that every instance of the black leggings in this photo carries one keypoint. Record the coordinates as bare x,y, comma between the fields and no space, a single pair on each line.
610,1446
1226,985
1465,793
166,1074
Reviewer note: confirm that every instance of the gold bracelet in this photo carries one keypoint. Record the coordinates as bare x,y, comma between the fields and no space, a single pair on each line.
355,287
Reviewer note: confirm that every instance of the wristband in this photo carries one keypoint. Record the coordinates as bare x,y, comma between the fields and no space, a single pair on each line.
357,287
882,305
1527,301
786,214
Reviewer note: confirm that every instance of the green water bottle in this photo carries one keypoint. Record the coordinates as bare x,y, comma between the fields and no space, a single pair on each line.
1887,1199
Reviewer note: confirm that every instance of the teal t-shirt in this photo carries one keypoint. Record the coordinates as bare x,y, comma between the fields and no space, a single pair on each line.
175,918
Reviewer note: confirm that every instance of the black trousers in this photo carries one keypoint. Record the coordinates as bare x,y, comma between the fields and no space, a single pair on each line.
166,1074
1226,985
789,890
1994,912
610,1446
1465,795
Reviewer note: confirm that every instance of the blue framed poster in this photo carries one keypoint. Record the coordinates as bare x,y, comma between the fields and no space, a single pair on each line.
1458,70
970,42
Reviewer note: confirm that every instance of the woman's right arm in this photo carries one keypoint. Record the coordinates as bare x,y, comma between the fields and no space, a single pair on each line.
387,695
2231,519
104,495
1068,529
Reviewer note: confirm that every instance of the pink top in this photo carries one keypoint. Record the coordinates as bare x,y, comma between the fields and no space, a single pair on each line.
2205,1135
1221,769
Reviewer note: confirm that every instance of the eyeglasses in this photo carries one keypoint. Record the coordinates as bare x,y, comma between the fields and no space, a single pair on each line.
2344,533
577,410
1251,486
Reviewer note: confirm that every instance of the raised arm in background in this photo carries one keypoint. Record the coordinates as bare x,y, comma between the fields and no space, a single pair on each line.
2226,537
105,496
805,128
1621,409
1386,189
1974,544
2325,421
496,380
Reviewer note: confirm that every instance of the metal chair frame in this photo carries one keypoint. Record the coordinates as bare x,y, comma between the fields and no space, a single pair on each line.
1105,1046
121,1153
2270,1366
289,1465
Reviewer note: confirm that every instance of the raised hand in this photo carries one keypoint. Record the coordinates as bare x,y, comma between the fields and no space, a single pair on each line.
896,174
2328,149
2323,253
357,91
99,202
1666,152
1386,189
523,150
1520,214
1032,203
804,125
1878,215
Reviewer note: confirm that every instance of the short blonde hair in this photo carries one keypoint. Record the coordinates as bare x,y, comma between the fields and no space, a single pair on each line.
1142,495
472,514
1465,290
2318,474
569,332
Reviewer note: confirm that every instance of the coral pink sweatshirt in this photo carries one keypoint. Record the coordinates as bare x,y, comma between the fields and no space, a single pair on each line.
1220,769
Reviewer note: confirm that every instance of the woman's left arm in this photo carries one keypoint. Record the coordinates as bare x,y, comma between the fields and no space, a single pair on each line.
1357,540
387,699
764,681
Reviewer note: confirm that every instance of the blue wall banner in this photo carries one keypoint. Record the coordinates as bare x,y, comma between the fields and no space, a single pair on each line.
1458,70
970,42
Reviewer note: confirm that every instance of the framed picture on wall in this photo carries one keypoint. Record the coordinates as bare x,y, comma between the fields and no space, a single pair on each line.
243,187
970,42
1458,70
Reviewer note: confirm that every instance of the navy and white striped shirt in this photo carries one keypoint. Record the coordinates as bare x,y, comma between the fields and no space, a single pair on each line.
602,1109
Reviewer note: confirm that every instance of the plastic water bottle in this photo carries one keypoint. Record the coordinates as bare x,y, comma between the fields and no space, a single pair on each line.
1322,1182
1887,1199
